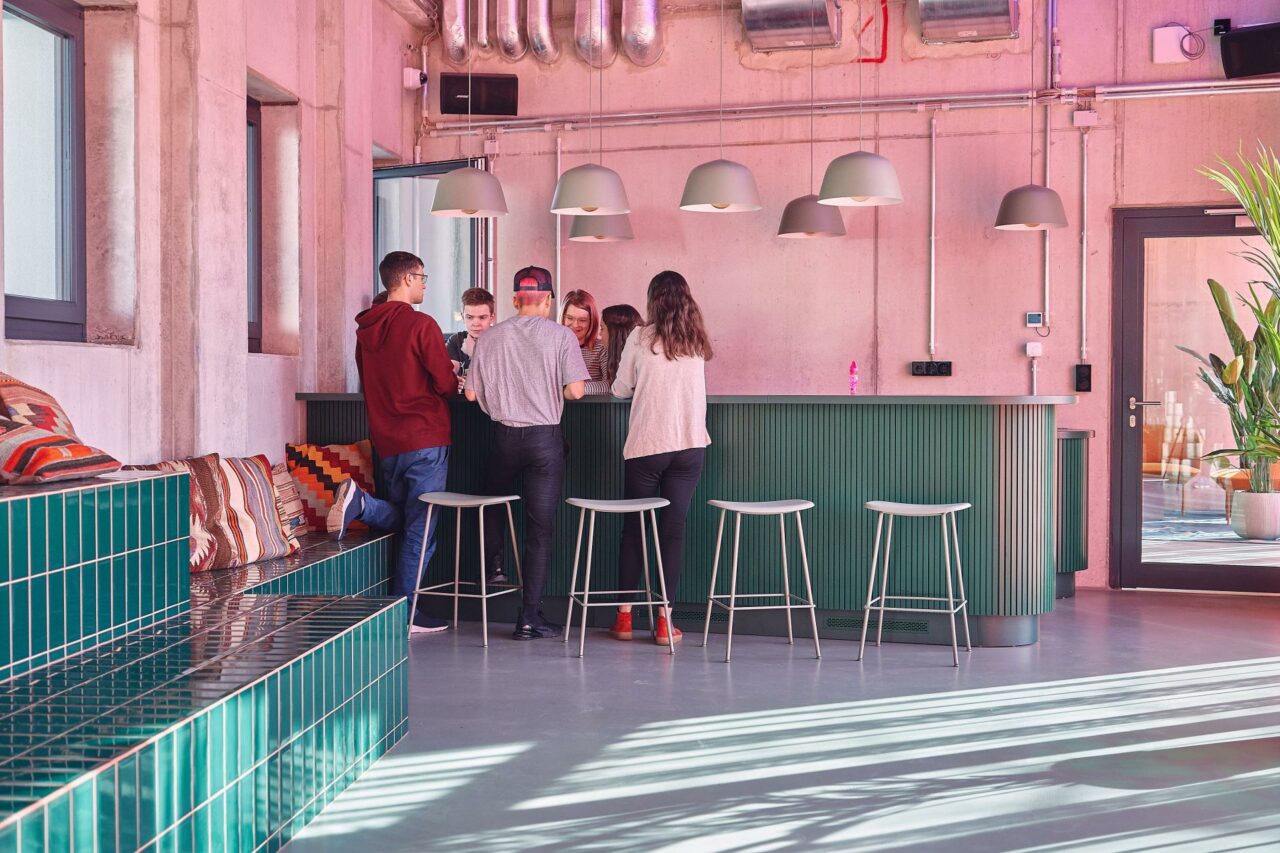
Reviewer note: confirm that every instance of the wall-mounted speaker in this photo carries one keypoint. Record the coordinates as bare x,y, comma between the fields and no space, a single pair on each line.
491,94
1251,51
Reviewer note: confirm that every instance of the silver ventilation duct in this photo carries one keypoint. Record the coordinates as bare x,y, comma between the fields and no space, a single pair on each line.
641,31
593,32
453,31
511,43
542,38
482,41
949,21
791,24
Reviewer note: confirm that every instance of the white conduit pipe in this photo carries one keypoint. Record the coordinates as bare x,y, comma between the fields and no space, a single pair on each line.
557,221
933,233
1084,245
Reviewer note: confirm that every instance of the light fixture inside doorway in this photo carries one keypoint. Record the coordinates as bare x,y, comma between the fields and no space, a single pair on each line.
601,229
1031,207
469,192
803,217
860,179
720,185
592,189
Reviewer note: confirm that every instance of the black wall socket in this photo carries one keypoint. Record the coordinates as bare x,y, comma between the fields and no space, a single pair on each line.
1221,26
1084,377
930,368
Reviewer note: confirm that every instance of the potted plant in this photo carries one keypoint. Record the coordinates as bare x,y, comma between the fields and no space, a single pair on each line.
1248,383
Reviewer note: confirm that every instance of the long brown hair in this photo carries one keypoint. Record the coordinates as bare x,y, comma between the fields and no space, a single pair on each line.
676,319
619,320
584,301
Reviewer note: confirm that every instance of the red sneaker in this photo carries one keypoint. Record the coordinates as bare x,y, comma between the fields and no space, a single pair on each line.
663,637
621,629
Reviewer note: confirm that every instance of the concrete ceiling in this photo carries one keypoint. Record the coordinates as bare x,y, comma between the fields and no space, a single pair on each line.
420,13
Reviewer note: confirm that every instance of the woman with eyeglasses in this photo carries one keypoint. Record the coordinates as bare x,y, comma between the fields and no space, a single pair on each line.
582,318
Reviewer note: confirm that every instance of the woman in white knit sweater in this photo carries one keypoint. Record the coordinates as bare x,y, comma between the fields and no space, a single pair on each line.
662,370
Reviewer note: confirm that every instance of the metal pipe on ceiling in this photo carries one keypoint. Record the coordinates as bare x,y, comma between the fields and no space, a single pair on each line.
511,41
593,32
542,37
641,31
454,32
482,41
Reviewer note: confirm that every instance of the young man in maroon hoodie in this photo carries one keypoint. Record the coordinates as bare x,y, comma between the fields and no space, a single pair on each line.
407,379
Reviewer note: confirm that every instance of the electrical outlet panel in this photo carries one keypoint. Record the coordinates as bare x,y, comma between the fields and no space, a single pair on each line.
1221,26
930,368
1035,349
1084,118
1084,377
1166,45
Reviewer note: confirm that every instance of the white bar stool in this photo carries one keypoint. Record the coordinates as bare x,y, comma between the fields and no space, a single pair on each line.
459,502
582,597
950,541
781,509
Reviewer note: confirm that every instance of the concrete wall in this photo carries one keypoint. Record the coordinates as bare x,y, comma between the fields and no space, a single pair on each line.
166,371
788,316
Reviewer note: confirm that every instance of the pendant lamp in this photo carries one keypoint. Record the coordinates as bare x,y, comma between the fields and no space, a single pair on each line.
1031,207
469,192
592,189
720,185
860,179
803,217
601,229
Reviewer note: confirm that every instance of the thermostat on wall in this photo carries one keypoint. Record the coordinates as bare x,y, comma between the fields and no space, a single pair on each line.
1035,319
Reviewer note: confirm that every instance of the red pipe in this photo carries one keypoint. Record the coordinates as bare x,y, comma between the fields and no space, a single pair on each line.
863,26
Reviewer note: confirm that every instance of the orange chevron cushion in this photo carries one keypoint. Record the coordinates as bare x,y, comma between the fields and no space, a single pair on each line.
27,404
317,470
29,454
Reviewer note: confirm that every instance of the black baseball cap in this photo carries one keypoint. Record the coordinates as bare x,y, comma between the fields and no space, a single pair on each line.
533,280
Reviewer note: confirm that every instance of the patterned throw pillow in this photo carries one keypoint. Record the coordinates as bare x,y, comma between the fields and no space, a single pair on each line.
206,507
27,404
318,469
29,454
251,522
288,502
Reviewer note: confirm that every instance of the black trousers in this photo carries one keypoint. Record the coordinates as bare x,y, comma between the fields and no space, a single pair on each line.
535,454
673,476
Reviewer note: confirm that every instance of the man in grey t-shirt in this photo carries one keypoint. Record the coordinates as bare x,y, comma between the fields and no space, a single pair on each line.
522,371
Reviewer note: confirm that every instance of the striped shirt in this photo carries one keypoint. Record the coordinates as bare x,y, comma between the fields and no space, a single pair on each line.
594,358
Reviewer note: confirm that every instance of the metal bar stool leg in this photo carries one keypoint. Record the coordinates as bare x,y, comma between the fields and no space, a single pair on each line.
951,602
648,590
884,578
665,607
871,585
786,578
422,558
715,568
457,562
733,583
586,584
808,587
515,549
573,578
484,583
964,599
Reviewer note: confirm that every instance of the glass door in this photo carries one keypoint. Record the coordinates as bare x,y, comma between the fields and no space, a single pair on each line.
454,250
1172,508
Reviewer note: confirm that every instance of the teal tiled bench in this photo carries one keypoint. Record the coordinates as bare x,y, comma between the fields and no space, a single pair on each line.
86,562
230,736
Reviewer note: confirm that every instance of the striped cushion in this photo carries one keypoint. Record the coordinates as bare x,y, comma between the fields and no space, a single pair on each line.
250,521
27,404
29,454
288,501
318,469
206,505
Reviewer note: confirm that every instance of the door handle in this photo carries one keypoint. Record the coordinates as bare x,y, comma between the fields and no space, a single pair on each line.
1134,403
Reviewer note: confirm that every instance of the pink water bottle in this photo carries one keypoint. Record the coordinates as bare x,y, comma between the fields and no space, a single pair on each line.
853,378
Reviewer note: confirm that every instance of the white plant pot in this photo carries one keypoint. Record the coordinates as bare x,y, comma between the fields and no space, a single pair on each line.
1256,515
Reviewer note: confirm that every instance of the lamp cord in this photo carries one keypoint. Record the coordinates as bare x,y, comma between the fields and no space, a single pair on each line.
721,79
1031,103
858,60
811,95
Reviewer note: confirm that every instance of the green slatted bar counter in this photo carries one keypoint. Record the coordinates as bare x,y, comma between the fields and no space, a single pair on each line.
998,453
1072,509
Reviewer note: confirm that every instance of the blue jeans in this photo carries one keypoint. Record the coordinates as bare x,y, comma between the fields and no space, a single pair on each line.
408,475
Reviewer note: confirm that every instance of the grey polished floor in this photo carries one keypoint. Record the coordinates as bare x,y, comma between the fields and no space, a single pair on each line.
1142,721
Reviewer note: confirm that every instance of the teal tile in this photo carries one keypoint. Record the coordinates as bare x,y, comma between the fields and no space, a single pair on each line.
152,597
182,489
32,831
105,790
119,517
127,801
9,837
199,727
183,769
102,497
132,515
57,532
88,525
166,812
6,627
148,785
172,510
19,539
71,521
38,590
102,570
38,519
82,816
200,829
215,837
159,516
6,564
215,749
57,593
247,813
88,609
59,823
119,592
134,583
147,511
185,835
